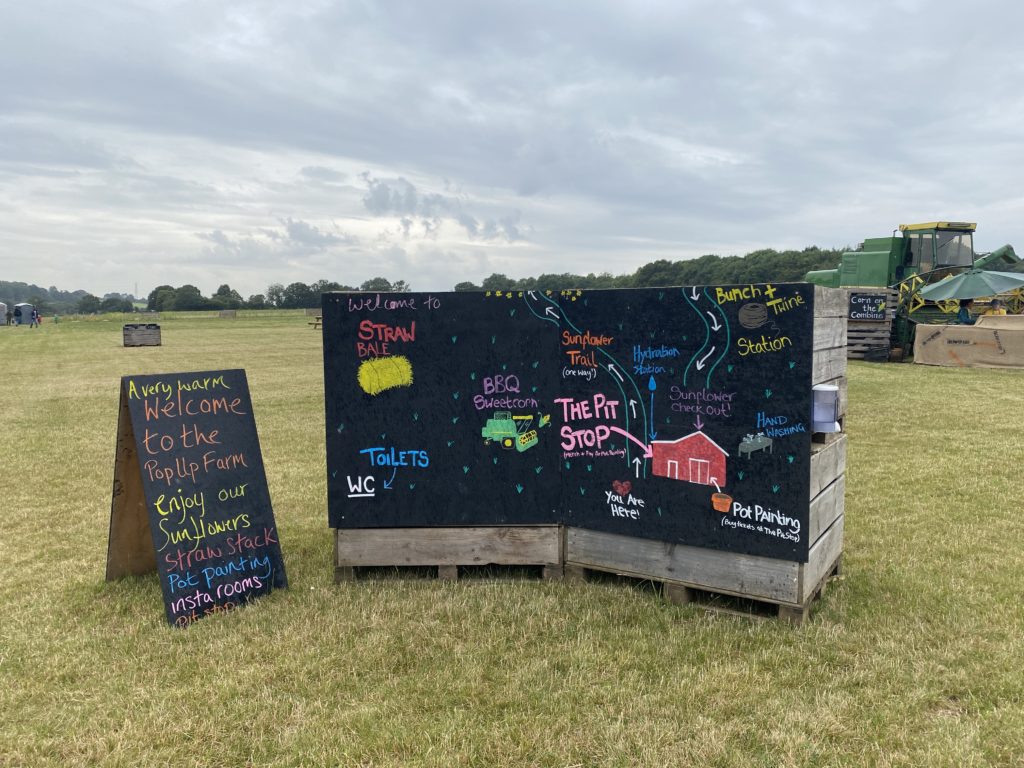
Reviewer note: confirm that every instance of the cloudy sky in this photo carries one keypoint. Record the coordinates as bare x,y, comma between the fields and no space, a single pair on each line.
145,142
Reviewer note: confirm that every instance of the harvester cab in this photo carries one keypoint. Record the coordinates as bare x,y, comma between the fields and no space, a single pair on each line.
935,248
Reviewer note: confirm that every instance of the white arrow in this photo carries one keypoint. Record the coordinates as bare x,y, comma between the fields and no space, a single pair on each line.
532,295
632,407
714,321
551,311
715,483
693,294
700,363
637,462
612,370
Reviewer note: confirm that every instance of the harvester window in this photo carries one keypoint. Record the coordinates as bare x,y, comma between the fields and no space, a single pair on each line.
920,252
954,249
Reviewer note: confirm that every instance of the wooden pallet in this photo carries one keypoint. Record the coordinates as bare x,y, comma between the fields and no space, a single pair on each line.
448,548
868,338
685,573
678,593
141,335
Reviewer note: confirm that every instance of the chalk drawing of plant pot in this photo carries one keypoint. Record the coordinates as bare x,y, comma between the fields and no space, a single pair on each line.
721,502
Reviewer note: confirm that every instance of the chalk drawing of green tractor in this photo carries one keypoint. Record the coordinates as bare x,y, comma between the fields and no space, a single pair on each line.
511,431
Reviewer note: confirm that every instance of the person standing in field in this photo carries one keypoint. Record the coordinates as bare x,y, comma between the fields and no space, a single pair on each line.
33,319
9,317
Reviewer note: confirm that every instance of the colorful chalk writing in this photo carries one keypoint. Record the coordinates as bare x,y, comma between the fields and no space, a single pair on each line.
205,490
662,413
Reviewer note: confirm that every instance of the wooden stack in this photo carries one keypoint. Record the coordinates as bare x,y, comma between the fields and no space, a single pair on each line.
141,335
786,587
791,586
871,339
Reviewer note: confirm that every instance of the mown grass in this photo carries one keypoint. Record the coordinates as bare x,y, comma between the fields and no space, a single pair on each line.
914,658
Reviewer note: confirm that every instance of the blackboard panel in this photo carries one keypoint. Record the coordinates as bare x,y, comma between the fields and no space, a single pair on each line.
205,490
640,411
867,306
699,411
438,410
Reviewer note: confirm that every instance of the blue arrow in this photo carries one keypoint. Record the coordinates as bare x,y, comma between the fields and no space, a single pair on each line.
652,385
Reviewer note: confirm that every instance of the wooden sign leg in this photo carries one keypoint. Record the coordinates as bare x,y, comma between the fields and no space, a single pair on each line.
130,550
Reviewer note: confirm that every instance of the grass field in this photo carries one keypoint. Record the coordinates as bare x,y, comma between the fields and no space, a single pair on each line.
914,658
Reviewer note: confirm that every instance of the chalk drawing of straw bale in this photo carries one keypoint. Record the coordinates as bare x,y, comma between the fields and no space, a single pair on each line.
383,373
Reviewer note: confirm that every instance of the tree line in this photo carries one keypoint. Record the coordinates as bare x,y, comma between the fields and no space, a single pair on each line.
766,265
165,298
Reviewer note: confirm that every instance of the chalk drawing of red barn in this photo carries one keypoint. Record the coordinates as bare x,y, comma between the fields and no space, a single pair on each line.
695,458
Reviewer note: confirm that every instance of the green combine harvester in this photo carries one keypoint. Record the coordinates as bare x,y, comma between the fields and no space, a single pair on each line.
510,431
919,255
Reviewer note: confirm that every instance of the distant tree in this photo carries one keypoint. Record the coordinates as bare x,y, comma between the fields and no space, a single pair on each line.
275,295
88,305
328,286
377,284
299,296
256,301
159,297
227,298
660,272
188,298
497,282
467,286
116,304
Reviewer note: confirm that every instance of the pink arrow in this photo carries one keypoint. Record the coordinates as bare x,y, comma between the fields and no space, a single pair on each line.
648,451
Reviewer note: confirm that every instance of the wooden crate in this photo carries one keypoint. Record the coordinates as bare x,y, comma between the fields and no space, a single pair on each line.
141,335
448,548
788,585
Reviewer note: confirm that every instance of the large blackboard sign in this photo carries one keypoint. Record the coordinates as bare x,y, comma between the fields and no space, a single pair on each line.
190,493
867,306
676,414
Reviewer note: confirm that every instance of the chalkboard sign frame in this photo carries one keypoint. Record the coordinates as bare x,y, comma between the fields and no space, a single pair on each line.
769,516
162,503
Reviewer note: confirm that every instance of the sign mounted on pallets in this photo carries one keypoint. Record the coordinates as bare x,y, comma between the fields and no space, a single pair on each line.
681,415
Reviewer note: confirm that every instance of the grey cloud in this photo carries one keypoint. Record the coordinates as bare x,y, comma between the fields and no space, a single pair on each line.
306,234
400,197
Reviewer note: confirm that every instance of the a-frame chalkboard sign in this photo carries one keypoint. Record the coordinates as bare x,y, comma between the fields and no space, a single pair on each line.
190,497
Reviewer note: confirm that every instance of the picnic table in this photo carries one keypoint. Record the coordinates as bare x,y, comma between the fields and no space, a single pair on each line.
752,443
317,322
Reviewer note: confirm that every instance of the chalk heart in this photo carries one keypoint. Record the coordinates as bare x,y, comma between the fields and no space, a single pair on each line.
622,488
